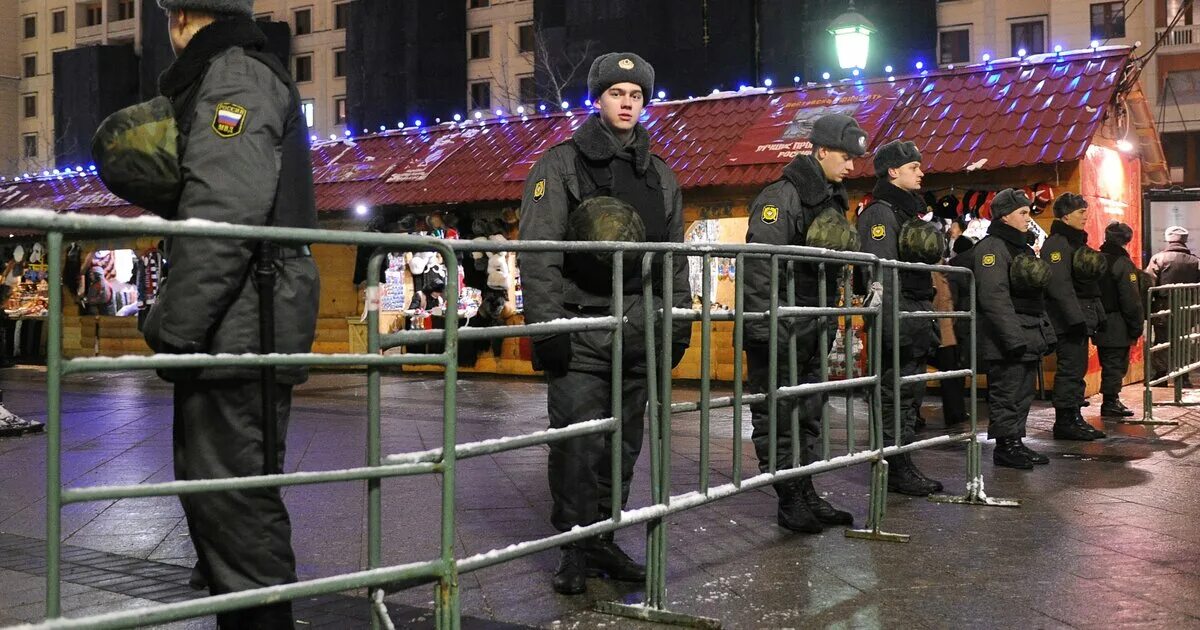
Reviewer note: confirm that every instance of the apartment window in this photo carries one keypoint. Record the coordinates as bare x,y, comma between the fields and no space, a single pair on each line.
525,38
30,26
341,15
481,44
303,21
59,20
30,105
339,63
339,110
1029,36
1108,20
481,95
303,68
30,64
308,110
478,4
528,88
93,14
31,145
954,46
125,10
263,17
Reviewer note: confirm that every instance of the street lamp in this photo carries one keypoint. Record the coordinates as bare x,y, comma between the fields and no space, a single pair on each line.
852,35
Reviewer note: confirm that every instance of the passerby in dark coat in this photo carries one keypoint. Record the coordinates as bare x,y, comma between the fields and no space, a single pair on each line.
1175,264
607,162
807,206
895,208
245,158
1122,298
1014,333
1074,307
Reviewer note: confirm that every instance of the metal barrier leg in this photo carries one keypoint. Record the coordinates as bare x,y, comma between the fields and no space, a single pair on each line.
872,531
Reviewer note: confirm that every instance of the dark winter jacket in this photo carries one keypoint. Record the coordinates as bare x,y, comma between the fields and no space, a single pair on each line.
251,169
1175,264
879,232
1073,306
1123,301
781,215
553,287
1005,332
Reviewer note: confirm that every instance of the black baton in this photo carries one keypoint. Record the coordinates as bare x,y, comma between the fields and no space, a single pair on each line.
264,273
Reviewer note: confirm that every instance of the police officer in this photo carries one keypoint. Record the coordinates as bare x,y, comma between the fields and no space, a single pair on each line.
891,228
807,206
244,148
1120,292
1074,307
1175,264
608,157
1013,330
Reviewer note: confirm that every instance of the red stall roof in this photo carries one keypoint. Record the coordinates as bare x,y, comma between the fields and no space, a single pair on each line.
1039,110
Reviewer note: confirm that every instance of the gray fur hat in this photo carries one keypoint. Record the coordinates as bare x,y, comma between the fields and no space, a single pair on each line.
227,7
1118,233
895,154
613,68
1007,201
840,132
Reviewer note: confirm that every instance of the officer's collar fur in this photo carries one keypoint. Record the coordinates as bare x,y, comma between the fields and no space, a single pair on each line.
1109,247
1008,234
598,144
207,43
806,175
1074,236
1177,247
908,204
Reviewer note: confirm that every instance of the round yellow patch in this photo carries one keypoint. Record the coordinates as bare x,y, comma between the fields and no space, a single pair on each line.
539,190
1055,256
877,232
1133,278
770,214
989,260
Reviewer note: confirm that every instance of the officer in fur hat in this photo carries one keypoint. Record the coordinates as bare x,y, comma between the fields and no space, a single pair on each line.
890,228
244,148
1075,310
1175,264
806,206
609,156
1122,296
1014,334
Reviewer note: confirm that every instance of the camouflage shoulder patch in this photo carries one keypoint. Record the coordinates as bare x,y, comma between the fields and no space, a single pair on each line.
539,189
989,260
1133,278
878,231
1055,257
229,120
770,214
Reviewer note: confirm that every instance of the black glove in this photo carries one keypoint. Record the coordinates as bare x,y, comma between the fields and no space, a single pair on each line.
1017,351
553,354
1134,333
677,351
1077,330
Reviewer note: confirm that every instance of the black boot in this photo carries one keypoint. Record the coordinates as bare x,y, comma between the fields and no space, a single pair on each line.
605,558
1033,456
1008,454
571,578
1067,426
937,485
904,478
1086,426
794,514
1085,403
826,513
1113,407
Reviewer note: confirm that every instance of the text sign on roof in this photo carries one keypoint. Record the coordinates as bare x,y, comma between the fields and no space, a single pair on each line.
782,131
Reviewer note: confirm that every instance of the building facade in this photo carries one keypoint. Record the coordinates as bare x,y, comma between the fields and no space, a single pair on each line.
501,45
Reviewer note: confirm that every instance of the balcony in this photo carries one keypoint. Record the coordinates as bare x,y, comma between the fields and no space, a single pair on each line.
117,28
1182,38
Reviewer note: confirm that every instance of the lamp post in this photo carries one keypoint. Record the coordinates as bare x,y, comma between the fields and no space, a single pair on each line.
852,35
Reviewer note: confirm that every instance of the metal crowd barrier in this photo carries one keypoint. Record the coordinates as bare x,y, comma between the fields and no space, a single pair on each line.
1179,323
445,569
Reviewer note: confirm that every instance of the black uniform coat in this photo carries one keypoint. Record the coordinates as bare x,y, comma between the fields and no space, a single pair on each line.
1123,301
1004,332
781,215
1071,305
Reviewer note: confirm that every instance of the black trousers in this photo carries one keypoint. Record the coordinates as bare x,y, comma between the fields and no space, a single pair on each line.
580,469
954,390
1114,362
910,396
1010,394
808,370
242,538
1072,355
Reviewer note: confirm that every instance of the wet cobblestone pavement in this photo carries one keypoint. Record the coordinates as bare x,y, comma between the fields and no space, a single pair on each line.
1107,535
